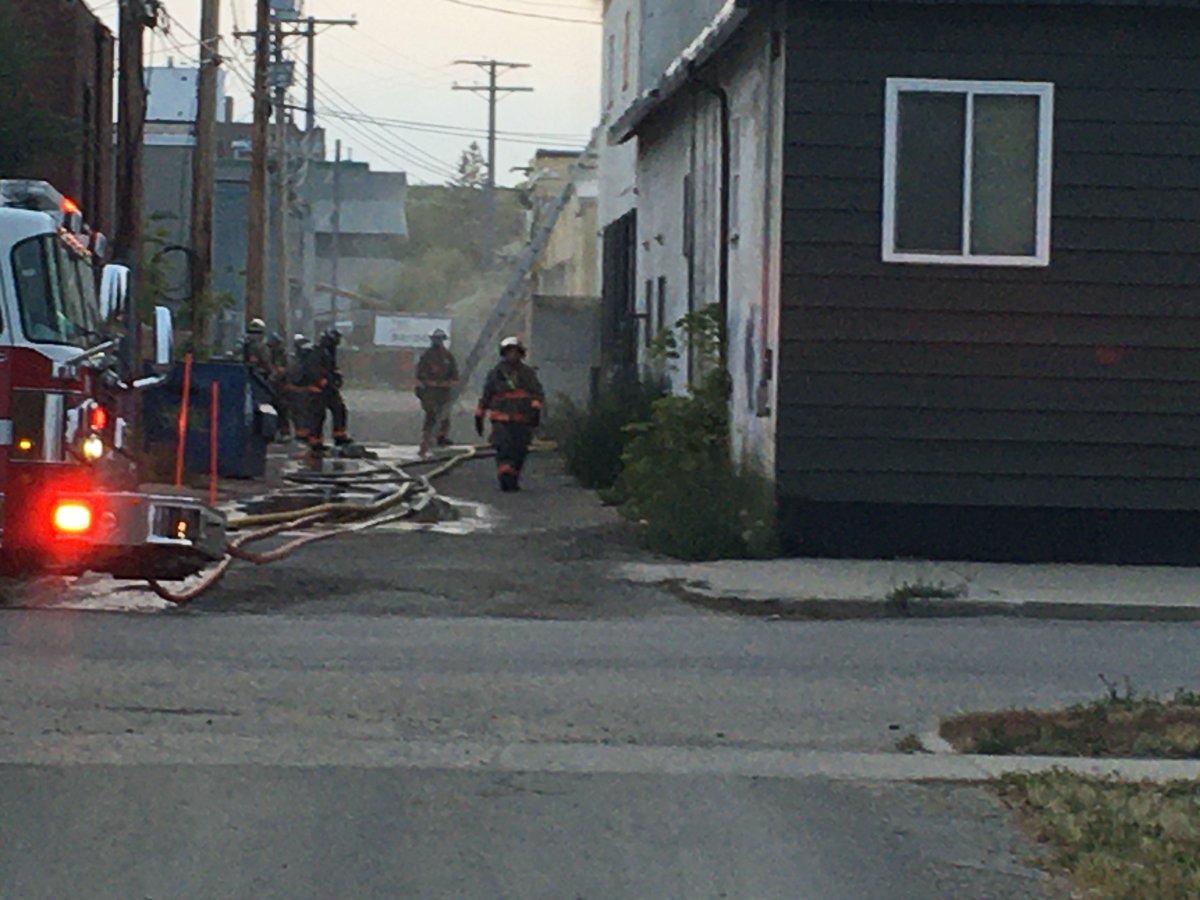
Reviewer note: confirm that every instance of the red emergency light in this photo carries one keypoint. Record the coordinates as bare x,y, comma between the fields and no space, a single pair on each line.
98,420
72,518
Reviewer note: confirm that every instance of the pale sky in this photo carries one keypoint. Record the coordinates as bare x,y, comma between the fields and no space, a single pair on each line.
397,64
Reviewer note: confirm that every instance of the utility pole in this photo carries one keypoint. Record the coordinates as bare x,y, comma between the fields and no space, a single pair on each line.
493,91
277,74
135,17
282,200
336,228
203,174
310,35
256,243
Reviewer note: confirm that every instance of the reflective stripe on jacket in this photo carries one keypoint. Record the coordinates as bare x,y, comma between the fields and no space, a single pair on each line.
512,394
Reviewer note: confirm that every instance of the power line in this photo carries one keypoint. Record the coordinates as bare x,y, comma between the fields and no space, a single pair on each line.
384,145
428,156
524,15
452,131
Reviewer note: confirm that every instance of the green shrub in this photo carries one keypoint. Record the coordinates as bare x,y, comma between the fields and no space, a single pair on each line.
679,480
593,439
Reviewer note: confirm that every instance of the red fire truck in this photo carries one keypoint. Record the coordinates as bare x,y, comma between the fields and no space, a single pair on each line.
68,481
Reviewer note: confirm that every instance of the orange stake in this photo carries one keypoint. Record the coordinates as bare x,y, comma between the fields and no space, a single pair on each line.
213,428
183,419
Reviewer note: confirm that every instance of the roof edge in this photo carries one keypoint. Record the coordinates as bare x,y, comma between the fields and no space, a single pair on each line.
707,44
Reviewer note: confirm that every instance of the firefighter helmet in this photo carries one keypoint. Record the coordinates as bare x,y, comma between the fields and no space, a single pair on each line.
275,339
512,343
439,335
331,337
256,326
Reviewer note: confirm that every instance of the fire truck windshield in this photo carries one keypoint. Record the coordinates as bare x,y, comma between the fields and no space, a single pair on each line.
56,290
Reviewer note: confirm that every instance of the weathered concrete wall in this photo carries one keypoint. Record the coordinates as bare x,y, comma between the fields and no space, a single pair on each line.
681,183
618,164
564,345
754,78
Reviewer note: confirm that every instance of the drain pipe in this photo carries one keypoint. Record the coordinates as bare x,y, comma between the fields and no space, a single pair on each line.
726,217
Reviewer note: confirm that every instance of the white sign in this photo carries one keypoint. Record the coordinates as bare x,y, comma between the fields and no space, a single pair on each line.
408,331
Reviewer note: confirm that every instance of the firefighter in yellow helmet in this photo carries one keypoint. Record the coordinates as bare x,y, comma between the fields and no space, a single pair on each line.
513,399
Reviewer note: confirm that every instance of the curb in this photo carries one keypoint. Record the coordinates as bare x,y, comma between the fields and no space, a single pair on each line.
818,609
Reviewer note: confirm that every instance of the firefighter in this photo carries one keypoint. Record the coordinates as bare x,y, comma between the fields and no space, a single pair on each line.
298,393
308,378
437,375
331,393
277,357
254,349
513,399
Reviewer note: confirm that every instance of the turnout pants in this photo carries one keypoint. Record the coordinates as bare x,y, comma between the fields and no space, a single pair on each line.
309,411
282,401
511,440
437,418
336,406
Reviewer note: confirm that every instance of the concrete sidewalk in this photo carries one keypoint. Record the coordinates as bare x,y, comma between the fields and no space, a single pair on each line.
854,589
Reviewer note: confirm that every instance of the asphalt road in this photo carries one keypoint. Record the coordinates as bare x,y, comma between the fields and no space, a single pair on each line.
491,714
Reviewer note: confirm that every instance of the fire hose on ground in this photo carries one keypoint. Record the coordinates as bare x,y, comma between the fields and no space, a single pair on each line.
413,496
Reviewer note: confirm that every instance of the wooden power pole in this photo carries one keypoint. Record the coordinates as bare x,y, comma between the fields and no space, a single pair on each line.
492,90
256,243
135,17
204,174
281,193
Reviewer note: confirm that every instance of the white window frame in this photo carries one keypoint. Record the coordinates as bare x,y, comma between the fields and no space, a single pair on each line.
1044,91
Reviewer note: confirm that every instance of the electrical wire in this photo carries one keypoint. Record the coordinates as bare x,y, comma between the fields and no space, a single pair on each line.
524,15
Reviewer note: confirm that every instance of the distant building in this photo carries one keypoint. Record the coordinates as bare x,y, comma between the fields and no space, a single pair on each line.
564,311
72,76
569,266
373,222
371,230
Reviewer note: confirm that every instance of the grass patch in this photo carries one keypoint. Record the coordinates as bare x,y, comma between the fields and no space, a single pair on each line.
1120,725
907,592
1116,840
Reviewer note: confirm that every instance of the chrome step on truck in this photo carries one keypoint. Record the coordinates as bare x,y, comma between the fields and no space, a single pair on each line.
137,536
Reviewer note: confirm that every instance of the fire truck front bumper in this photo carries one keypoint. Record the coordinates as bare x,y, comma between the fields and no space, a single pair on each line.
130,535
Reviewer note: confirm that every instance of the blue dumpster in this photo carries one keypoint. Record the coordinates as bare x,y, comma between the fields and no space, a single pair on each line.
246,420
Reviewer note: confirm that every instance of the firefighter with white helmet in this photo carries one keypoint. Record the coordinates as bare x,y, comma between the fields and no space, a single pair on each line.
254,348
514,400
437,376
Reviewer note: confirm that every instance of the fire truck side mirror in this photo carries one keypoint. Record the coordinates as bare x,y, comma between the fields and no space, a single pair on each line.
164,336
114,294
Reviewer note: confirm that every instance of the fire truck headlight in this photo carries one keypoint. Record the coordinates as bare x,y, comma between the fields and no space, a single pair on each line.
72,517
93,448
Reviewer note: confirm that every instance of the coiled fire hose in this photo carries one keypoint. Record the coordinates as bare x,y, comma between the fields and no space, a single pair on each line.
342,518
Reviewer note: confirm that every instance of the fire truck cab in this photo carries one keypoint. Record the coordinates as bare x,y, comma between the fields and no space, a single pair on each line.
68,479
